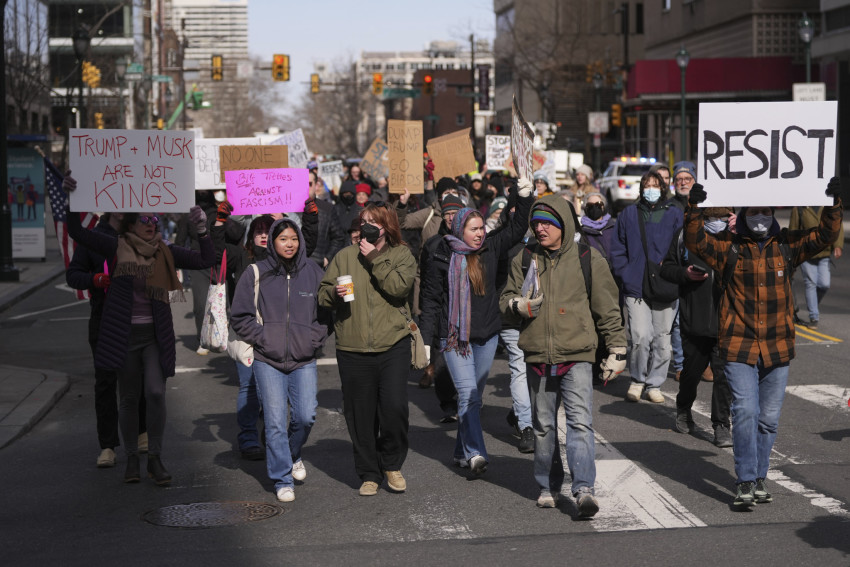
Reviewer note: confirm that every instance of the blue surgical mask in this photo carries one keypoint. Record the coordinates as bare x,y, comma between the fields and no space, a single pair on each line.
652,194
713,225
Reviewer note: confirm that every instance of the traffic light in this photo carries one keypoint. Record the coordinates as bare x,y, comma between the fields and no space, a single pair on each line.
98,120
217,66
160,124
377,83
314,83
428,85
616,114
280,67
91,75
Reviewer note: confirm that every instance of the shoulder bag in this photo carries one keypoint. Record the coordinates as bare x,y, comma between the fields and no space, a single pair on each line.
418,358
237,349
655,289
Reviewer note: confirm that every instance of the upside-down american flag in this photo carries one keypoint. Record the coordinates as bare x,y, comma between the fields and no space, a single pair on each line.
58,201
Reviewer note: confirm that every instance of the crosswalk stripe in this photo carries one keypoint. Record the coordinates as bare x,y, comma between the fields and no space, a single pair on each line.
831,396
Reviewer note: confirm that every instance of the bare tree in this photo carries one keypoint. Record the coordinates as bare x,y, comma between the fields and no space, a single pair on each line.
26,69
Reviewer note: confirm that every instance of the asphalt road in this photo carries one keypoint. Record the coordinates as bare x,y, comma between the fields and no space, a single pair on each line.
665,497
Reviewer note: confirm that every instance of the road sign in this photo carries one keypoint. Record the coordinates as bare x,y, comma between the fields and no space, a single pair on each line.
400,93
809,92
597,140
597,122
135,72
160,78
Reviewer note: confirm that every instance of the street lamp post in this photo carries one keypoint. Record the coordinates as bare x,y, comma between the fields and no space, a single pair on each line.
682,60
120,73
81,42
806,29
598,81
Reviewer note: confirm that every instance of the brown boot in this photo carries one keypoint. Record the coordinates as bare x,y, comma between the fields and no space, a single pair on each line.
427,377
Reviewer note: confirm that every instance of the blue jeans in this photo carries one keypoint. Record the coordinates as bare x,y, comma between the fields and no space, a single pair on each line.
469,373
649,338
676,341
519,384
295,391
247,408
816,278
575,388
757,394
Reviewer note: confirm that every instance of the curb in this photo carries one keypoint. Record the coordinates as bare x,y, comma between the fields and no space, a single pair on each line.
27,289
34,406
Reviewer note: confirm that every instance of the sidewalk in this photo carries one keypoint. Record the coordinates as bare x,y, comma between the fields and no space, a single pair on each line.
26,395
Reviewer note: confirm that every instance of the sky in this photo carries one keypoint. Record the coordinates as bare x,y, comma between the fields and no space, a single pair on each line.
333,30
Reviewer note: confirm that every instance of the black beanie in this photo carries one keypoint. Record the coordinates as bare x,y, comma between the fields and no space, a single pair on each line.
443,184
499,183
348,186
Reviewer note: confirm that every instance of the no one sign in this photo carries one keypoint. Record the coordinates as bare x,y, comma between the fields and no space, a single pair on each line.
766,154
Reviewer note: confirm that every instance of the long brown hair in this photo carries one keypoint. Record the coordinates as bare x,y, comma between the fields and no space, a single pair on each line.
474,269
385,216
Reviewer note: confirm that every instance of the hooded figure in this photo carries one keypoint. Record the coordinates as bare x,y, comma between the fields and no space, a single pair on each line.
347,207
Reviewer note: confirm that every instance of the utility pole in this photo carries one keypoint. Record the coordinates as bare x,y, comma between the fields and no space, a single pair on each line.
472,98
8,271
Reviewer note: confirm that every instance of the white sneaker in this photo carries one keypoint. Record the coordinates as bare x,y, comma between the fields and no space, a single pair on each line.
286,494
635,390
478,465
202,351
462,463
106,459
299,472
655,396
547,499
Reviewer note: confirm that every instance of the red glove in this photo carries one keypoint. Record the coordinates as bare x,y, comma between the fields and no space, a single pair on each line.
429,170
310,207
101,281
223,211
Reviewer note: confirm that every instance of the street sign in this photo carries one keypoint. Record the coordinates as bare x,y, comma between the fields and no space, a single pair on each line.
597,140
597,122
809,92
160,78
135,72
400,93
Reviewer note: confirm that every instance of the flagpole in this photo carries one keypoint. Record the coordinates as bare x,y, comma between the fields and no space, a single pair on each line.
8,271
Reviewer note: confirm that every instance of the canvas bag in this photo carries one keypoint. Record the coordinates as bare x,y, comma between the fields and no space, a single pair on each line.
418,357
237,349
214,327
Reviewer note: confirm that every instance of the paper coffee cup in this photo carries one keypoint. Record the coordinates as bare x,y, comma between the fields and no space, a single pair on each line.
346,282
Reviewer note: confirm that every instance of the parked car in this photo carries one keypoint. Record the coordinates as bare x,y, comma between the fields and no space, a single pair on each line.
620,182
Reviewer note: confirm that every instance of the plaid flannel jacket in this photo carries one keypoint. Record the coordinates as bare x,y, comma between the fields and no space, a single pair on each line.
756,312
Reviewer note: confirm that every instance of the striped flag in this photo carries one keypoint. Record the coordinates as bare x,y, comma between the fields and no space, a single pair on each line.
58,202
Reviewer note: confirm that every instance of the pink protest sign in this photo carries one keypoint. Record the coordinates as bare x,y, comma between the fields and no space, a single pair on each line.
261,191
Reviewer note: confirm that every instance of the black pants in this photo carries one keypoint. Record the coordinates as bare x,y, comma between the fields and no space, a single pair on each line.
374,393
140,376
699,351
106,396
444,387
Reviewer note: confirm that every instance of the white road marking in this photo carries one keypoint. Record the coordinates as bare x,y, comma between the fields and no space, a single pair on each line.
325,362
69,319
66,287
830,396
48,310
182,369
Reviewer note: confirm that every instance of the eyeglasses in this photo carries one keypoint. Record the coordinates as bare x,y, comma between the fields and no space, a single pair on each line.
683,180
149,220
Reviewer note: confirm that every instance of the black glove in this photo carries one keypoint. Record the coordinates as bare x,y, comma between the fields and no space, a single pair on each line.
697,195
833,189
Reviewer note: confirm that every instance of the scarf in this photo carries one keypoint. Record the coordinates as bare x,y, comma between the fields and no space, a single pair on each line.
460,304
596,224
150,260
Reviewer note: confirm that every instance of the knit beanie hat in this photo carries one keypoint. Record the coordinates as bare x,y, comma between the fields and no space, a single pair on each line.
443,184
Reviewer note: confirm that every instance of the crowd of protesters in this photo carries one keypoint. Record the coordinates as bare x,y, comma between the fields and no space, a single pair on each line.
483,261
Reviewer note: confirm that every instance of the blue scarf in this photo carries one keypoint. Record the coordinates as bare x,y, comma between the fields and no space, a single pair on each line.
460,304
596,224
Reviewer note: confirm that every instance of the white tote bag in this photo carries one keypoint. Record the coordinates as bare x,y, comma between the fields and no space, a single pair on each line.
214,328
239,350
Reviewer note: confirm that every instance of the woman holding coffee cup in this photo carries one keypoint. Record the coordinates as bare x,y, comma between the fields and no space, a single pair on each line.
367,284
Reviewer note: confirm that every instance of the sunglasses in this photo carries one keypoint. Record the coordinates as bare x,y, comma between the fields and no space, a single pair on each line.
148,220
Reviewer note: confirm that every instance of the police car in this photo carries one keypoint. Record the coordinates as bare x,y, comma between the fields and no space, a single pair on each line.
620,183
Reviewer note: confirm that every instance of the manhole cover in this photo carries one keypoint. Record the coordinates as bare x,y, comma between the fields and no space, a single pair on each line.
211,514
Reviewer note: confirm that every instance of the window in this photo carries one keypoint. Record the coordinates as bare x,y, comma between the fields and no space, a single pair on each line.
460,119
390,67
505,22
400,66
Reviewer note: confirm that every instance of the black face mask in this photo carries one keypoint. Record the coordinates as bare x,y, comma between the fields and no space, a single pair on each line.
347,198
595,211
370,232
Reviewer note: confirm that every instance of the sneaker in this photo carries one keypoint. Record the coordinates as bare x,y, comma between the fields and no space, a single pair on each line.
478,465
811,324
547,499
427,377
253,454
462,463
512,420
722,436
684,421
655,396
202,351
106,459
587,504
449,418
395,481
526,443
635,391
299,471
369,488
745,497
143,442
760,493
286,494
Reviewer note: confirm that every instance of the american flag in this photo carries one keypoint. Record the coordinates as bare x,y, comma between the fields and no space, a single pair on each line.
58,201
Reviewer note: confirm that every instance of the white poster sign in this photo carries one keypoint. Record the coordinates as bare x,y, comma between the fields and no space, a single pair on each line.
766,153
498,151
132,170
331,173
207,161
299,156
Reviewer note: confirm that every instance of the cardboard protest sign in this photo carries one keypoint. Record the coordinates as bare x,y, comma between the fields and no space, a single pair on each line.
452,154
522,142
236,158
299,156
404,139
132,170
498,150
766,153
261,191
331,173
207,161
376,162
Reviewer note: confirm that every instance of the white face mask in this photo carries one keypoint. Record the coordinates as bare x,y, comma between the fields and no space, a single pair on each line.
715,225
759,224
652,195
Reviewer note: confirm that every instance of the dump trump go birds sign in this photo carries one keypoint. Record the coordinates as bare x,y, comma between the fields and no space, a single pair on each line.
766,153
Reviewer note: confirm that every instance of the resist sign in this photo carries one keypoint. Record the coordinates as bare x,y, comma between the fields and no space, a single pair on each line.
132,170
261,191
766,153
